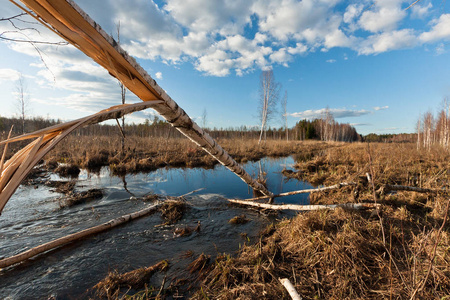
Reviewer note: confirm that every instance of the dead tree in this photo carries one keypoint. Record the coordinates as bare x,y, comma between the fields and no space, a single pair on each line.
22,101
284,107
269,96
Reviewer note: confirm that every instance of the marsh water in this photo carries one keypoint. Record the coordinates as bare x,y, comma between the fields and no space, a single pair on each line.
33,217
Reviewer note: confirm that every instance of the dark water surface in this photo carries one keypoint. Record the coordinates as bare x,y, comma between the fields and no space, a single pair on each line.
32,217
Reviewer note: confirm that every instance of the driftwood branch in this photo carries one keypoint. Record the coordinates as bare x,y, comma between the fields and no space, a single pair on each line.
70,22
6,262
358,206
290,288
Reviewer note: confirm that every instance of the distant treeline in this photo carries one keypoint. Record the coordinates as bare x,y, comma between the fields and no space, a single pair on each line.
319,129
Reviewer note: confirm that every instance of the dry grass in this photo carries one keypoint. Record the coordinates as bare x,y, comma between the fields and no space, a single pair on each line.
399,252
145,155
112,285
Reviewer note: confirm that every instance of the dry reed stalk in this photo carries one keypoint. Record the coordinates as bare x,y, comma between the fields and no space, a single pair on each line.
70,22
6,262
18,166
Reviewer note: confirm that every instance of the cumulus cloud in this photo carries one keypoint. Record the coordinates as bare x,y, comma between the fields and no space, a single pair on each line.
387,41
380,107
383,16
9,75
336,112
440,30
331,61
225,37
421,11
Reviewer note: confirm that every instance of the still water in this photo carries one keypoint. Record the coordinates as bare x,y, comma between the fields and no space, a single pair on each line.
32,217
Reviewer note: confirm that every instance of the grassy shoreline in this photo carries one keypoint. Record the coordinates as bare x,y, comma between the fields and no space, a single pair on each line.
399,252
144,155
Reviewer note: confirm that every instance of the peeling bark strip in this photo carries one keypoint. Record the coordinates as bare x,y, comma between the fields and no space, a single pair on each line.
74,25
18,166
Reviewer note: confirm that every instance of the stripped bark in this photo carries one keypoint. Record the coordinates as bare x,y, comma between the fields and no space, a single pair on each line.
18,166
70,22
357,206
6,262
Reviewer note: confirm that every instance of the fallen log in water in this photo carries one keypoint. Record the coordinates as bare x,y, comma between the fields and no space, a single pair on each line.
304,207
320,189
6,262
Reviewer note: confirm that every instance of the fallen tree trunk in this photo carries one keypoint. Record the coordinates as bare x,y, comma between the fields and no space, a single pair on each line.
70,22
6,262
358,206
321,189
18,166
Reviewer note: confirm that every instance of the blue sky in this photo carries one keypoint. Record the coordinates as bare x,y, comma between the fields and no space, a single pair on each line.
374,64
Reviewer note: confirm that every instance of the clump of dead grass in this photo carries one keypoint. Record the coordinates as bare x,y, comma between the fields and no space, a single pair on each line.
111,286
74,198
172,211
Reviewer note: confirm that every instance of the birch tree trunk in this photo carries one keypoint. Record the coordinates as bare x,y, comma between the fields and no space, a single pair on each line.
269,95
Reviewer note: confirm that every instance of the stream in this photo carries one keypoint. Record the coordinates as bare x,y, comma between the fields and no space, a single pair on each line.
33,217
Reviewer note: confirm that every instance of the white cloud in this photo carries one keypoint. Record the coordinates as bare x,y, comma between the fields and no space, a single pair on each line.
331,61
381,108
387,41
385,16
440,30
9,75
352,12
440,49
158,75
421,11
336,112
211,16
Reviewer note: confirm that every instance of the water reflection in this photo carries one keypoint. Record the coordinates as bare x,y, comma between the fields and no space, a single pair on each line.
33,217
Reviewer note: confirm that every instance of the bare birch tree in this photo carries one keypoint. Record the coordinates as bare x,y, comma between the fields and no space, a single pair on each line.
284,114
269,96
22,101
